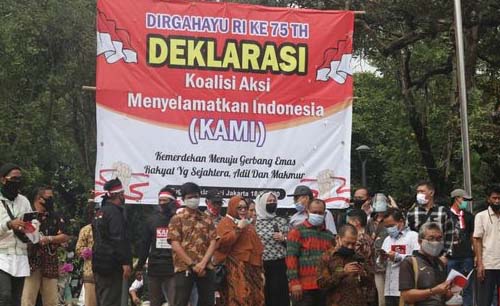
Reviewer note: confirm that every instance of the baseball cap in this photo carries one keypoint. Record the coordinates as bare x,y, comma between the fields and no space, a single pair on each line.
215,196
301,190
460,193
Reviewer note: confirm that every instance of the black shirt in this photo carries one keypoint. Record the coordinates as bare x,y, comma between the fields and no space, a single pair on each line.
155,246
112,248
461,241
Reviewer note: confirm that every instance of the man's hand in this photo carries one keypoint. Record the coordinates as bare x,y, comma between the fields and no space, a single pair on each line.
136,300
17,225
391,255
297,292
352,267
44,240
480,271
442,288
127,271
199,269
444,260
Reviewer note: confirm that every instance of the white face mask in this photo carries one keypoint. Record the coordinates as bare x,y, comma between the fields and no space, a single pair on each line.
192,203
432,248
421,199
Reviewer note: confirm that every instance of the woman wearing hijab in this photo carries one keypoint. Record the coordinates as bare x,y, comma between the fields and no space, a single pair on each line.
272,231
240,249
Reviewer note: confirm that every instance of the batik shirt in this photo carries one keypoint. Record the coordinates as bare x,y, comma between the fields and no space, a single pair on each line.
273,249
194,231
44,257
343,288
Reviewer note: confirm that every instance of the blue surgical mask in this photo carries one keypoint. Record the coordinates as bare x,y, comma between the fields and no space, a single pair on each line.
463,205
316,220
393,231
299,207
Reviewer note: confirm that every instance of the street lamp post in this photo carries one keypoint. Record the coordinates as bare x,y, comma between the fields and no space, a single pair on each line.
363,156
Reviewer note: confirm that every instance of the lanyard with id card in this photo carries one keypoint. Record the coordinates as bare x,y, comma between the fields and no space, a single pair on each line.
161,238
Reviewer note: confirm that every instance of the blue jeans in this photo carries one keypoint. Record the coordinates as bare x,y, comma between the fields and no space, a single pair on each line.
464,266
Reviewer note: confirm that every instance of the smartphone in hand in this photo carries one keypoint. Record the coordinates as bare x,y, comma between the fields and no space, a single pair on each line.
27,217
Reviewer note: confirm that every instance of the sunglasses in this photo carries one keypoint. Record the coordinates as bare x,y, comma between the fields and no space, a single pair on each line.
242,207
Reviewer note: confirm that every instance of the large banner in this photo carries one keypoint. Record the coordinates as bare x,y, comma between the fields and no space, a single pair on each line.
236,97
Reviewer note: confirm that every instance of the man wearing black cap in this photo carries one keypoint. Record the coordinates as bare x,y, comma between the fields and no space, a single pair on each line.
14,265
302,197
112,256
214,203
155,246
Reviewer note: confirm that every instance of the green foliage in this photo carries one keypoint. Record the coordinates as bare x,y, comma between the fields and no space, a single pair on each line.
47,52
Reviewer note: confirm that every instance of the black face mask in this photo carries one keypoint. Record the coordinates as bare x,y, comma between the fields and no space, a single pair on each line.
358,203
10,189
49,204
495,208
168,209
271,208
346,252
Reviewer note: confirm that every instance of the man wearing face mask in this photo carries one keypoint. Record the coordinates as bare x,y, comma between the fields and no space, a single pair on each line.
156,249
343,273
400,243
44,262
214,202
362,200
111,252
305,245
302,196
427,211
193,238
431,287
461,257
487,247
14,264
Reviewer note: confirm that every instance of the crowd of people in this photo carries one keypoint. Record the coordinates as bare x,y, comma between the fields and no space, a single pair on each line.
373,253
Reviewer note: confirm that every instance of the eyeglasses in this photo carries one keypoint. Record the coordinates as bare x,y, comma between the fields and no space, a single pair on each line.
242,207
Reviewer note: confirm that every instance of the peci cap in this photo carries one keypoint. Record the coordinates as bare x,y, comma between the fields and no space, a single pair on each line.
300,191
7,168
113,186
215,196
460,193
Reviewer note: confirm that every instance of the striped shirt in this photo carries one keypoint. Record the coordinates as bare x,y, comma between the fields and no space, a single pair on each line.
438,214
305,246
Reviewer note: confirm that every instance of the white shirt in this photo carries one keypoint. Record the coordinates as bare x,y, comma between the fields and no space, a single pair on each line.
15,265
487,227
136,285
404,245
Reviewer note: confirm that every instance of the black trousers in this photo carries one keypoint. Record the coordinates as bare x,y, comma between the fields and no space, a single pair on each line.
161,288
11,289
184,284
108,288
391,300
488,287
311,298
276,289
